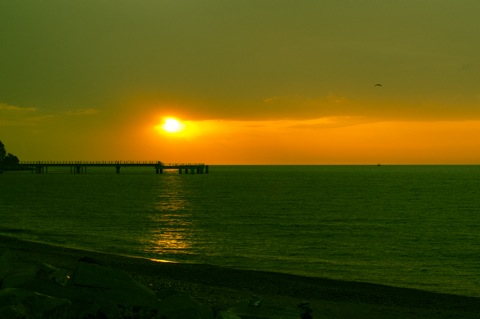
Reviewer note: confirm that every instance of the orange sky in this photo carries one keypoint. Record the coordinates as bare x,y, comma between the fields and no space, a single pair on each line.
265,82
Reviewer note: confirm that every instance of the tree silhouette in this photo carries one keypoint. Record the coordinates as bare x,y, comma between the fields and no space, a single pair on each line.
10,160
7,160
3,152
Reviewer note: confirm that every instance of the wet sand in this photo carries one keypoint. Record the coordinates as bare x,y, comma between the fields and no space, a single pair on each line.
221,288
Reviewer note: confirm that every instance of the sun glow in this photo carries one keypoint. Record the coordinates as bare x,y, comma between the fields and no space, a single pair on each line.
172,125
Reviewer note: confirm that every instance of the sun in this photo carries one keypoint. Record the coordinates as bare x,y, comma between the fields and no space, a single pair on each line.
172,125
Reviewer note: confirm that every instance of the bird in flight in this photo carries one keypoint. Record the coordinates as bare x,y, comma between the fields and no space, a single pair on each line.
378,84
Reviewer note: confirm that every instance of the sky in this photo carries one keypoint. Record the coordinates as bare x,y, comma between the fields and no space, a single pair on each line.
251,81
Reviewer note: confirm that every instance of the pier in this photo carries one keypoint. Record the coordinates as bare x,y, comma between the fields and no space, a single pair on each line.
80,167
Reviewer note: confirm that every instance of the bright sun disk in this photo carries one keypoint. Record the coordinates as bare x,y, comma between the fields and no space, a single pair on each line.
172,125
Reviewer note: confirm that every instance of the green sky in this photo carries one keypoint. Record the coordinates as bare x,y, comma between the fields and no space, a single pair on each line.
84,66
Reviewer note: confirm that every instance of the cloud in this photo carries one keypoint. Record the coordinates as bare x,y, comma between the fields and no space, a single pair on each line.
81,112
305,100
12,115
329,122
305,107
13,108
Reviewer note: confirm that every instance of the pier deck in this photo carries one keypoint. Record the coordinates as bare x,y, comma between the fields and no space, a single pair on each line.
80,167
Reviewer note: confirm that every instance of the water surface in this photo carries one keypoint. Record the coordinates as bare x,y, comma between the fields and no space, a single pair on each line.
407,226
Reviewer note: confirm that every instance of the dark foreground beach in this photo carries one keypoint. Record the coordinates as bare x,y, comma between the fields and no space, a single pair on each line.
274,295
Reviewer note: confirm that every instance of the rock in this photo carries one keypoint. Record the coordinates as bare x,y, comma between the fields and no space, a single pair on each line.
34,279
94,306
6,261
94,291
89,260
227,315
20,303
14,273
21,275
40,278
306,310
55,274
184,306
40,290
112,284
256,308
255,301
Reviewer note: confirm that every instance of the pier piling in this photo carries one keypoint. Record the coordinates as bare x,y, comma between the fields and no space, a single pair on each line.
80,167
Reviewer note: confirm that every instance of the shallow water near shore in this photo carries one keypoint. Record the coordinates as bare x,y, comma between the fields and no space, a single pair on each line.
406,226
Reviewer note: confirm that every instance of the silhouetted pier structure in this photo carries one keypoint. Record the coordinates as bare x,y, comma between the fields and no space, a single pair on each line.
80,167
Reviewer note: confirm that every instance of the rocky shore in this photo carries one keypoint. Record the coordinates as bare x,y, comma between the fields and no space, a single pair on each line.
43,281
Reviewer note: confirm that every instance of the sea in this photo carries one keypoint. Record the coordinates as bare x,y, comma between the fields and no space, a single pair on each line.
402,226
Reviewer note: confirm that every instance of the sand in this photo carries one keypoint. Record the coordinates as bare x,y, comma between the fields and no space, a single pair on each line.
222,288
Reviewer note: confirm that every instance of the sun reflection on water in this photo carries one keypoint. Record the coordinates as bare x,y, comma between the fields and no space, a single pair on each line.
170,221
169,241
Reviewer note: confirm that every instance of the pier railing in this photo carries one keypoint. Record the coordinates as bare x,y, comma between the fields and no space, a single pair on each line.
78,167
88,162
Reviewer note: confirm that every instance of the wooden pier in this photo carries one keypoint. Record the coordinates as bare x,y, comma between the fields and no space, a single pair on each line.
80,167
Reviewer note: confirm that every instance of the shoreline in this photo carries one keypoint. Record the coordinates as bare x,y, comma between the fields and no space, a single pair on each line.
220,288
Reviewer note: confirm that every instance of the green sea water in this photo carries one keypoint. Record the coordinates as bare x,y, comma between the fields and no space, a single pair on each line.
405,226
